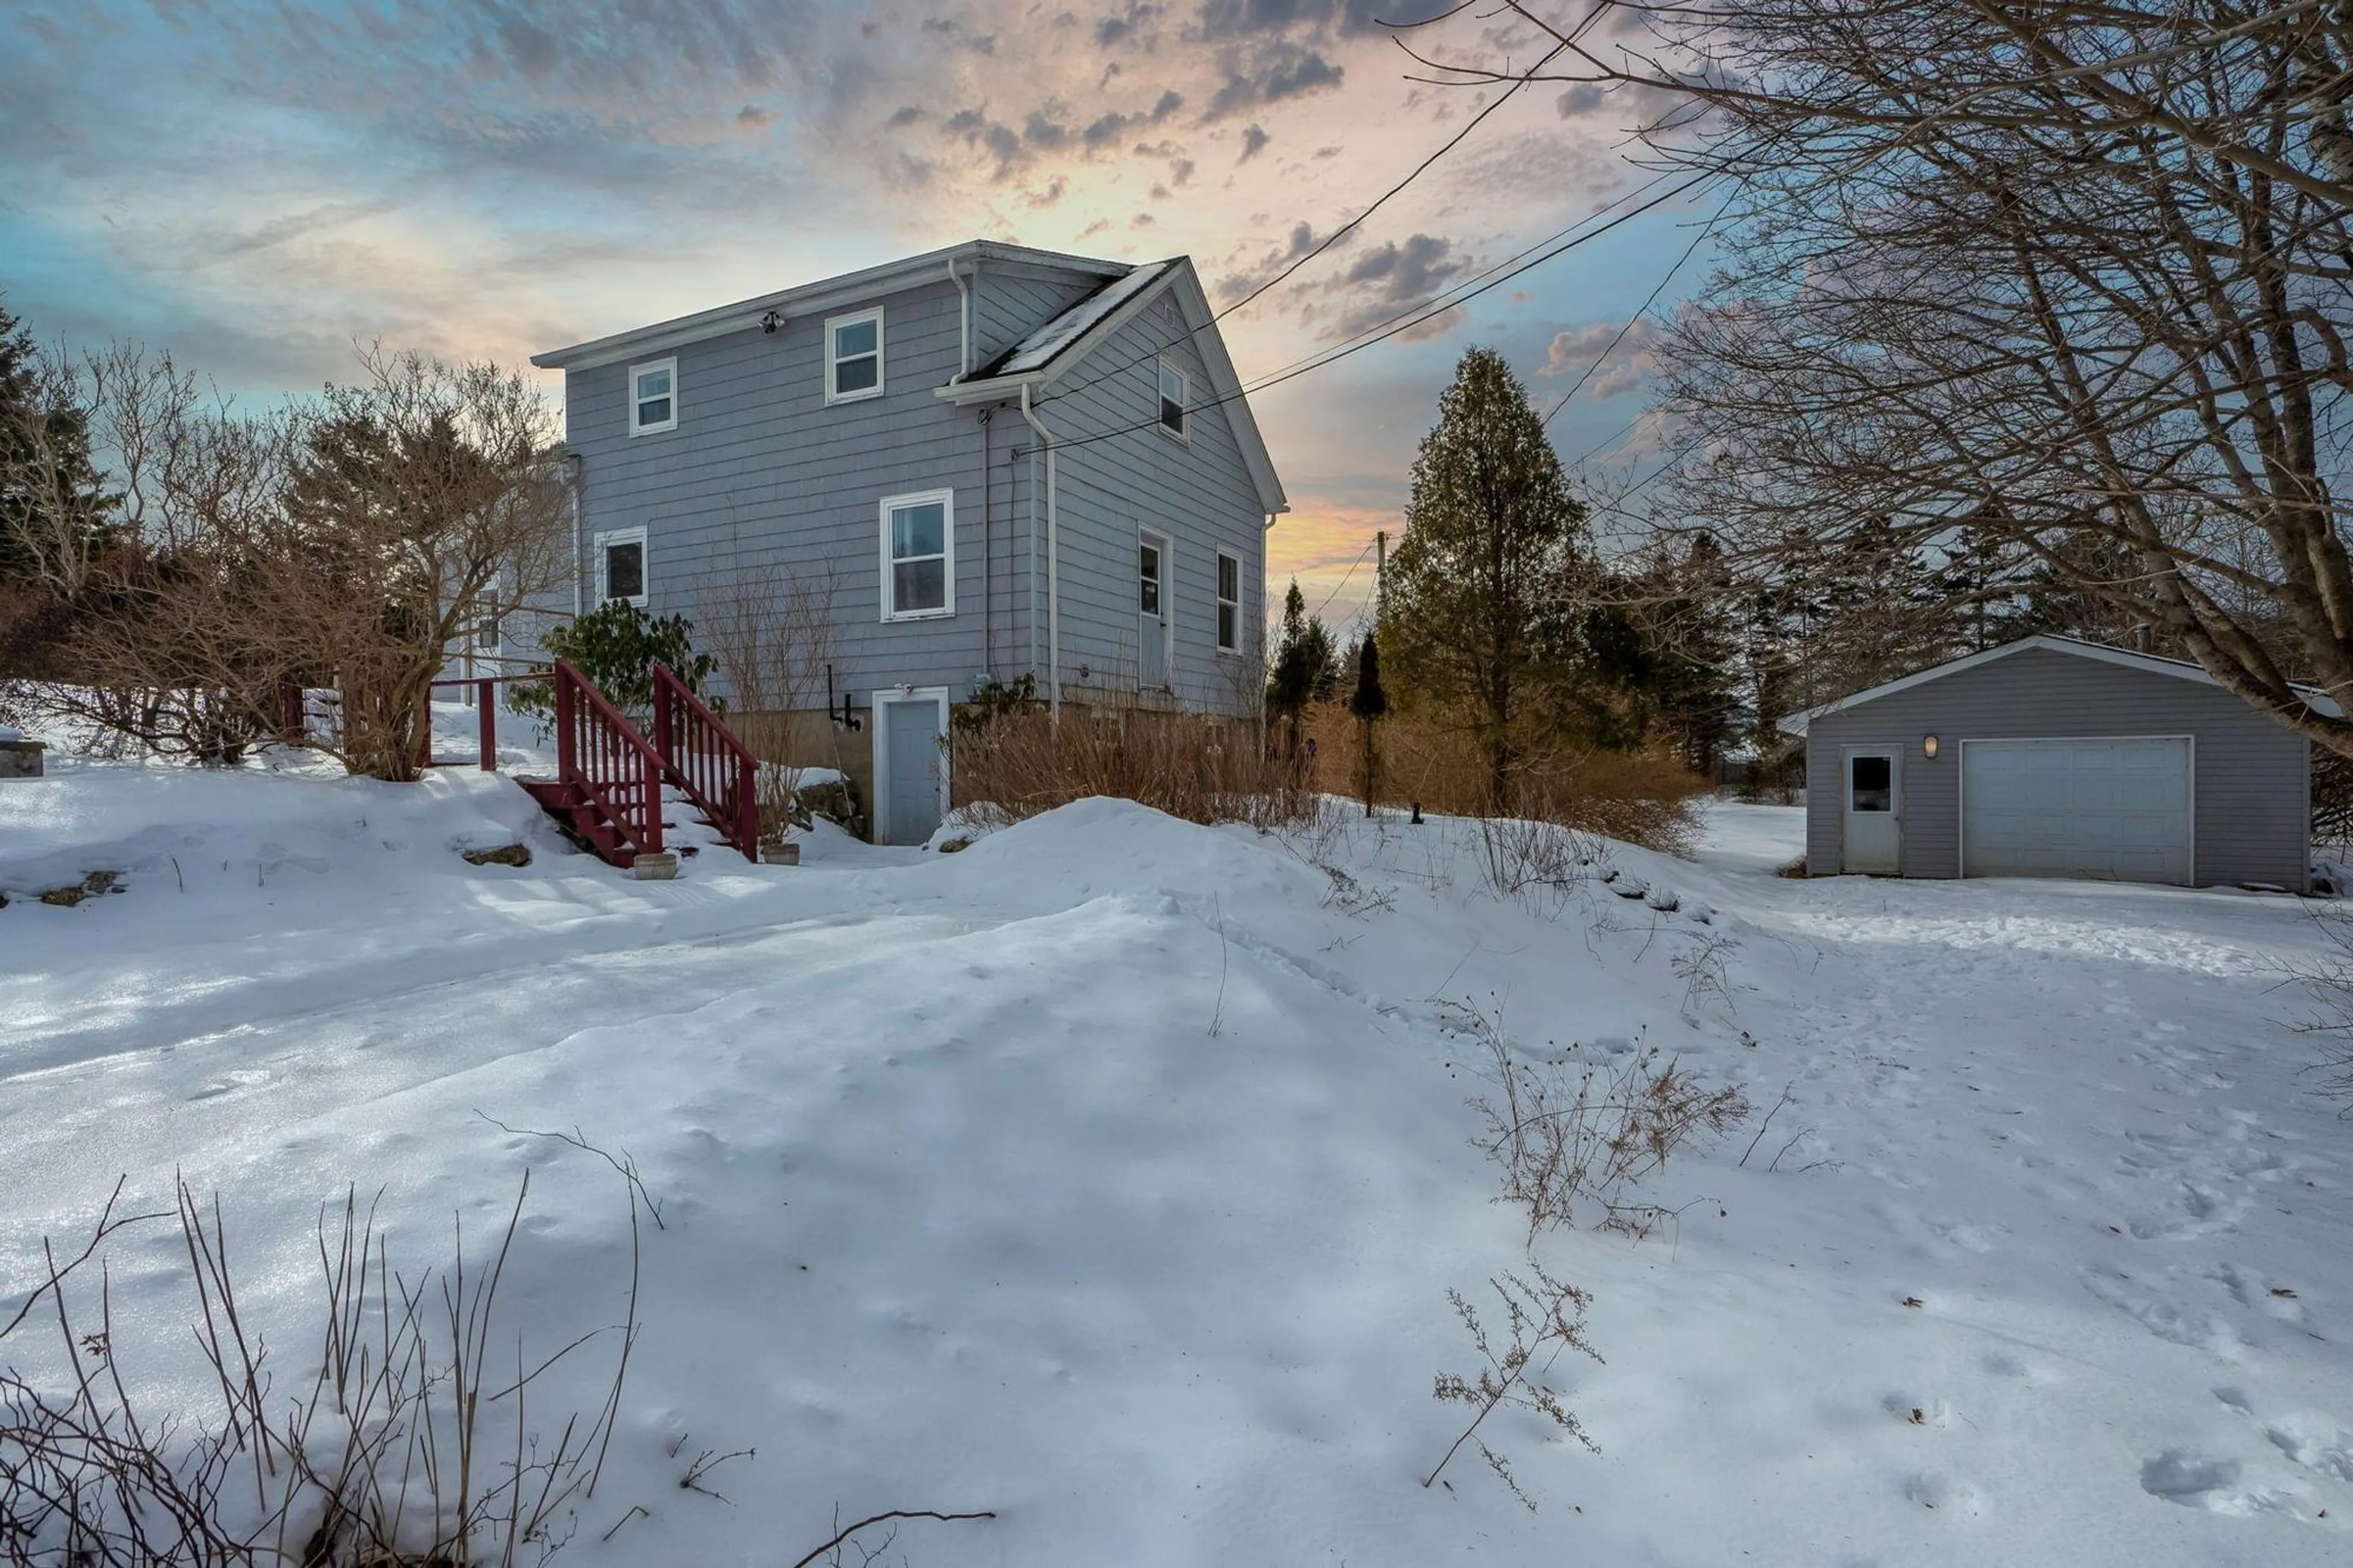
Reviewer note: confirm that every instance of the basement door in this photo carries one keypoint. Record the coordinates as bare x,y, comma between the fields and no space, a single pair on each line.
2116,809
911,765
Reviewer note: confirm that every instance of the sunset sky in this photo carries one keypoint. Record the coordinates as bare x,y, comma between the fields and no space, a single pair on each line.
255,184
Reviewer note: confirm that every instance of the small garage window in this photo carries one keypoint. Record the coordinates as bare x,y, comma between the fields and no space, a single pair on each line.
1873,788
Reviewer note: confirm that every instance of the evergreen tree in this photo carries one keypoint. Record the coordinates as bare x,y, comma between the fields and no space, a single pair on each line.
1691,645
53,508
1368,702
1305,667
1478,609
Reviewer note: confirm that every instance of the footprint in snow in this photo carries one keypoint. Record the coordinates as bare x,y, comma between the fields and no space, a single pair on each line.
1944,1493
2216,1484
2167,1319
230,1082
2319,1443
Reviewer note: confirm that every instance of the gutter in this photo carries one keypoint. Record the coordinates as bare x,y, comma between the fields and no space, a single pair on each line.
1053,566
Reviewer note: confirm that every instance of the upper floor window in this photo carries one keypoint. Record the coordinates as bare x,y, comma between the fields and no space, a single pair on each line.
853,356
653,396
1229,603
1175,393
919,555
621,566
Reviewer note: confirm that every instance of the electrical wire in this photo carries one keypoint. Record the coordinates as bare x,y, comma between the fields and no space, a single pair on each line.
1329,240
1640,311
1428,312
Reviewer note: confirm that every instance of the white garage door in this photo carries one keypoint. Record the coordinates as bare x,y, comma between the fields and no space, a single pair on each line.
2117,809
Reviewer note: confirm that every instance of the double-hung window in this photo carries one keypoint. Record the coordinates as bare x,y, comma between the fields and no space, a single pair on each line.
919,555
1229,603
653,396
621,566
853,356
1175,393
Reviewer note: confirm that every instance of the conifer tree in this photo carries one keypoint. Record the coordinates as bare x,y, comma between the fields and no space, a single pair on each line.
52,506
1305,667
1368,702
1479,610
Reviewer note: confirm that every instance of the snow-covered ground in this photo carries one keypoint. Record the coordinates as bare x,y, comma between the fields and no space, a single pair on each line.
1110,1175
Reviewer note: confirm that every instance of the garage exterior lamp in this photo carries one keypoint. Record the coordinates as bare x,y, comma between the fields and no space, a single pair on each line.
1928,747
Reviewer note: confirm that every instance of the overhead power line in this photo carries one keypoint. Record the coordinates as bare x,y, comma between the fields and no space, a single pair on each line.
1428,312
1338,234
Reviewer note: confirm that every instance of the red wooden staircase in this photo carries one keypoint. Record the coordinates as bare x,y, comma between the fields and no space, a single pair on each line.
610,778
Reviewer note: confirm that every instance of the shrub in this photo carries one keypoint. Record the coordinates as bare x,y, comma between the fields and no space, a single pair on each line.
1574,1139
1646,797
404,1441
1012,762
617,645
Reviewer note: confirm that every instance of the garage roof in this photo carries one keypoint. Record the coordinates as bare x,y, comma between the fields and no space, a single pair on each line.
2180,669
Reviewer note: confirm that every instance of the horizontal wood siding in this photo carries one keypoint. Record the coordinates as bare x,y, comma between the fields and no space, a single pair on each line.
1198,492
1012,301
761,470
2252,775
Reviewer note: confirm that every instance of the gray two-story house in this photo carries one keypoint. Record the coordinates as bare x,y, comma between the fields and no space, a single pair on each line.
1003,462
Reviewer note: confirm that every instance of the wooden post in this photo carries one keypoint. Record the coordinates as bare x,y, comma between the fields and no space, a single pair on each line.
567,749
653,774
488,716
747,806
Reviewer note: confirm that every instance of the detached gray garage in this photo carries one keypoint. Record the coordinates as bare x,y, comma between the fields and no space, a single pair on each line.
2051,757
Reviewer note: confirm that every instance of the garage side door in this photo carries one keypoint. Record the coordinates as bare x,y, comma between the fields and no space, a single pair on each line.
2117,809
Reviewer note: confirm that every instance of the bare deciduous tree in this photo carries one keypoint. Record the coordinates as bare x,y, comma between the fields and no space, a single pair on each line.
426,501
350,544
775,632
2068,279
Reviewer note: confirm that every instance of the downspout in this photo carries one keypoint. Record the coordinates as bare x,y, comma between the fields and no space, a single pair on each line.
987,551
1053,565
578,566
964,322
1029,456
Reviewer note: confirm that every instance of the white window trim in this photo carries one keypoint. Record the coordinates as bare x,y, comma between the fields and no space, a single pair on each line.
1183,430
889,594
881,365
630,387
889,696
636,536
1217,597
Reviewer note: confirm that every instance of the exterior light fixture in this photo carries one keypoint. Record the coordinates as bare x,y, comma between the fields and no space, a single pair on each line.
1928,747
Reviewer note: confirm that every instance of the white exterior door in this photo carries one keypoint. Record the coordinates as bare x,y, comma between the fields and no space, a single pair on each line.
1152,612
2118,809
911,785
1874,835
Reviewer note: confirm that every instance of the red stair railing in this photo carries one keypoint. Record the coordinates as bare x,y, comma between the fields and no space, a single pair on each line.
702,757
486,716
601,752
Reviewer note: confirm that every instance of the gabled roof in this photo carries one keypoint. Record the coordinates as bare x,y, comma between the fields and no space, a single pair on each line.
2147,663
1055,349
806,298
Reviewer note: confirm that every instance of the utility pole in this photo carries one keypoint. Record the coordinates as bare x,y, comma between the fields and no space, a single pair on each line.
1380,571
